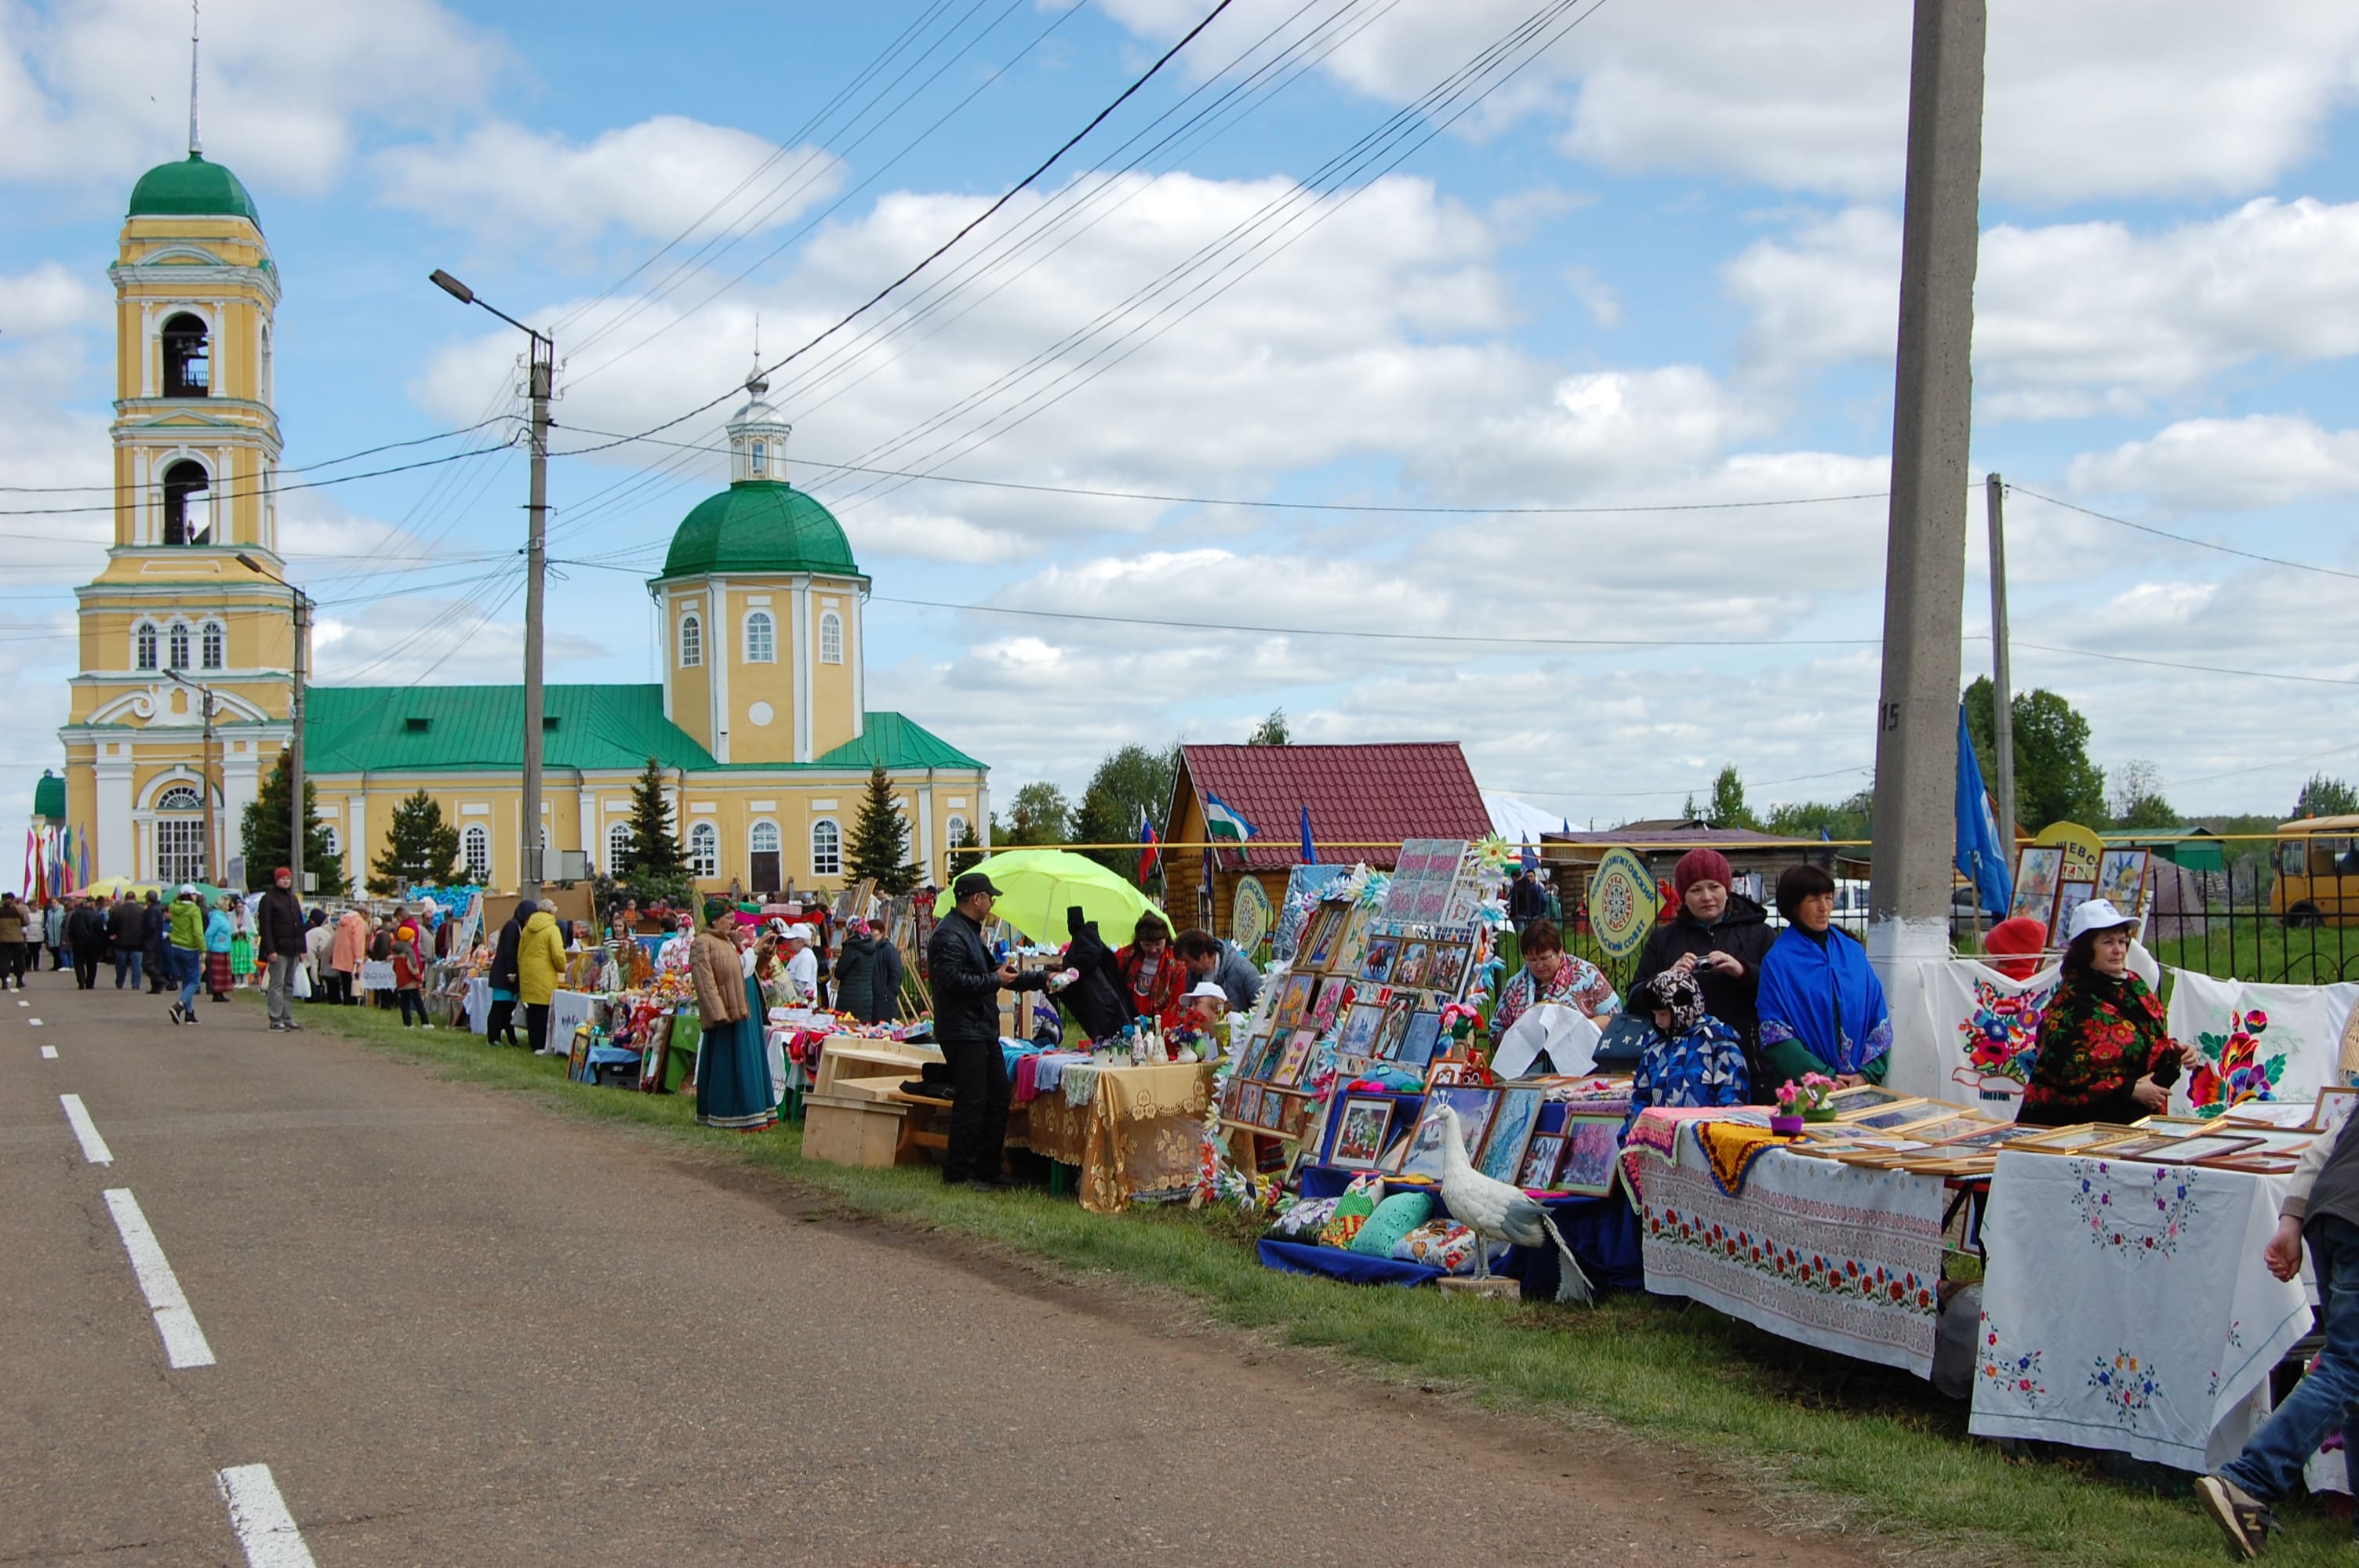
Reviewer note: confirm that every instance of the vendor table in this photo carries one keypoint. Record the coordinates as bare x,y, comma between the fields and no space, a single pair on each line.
478,1005
1842,1257
1136,1133
2126,1306
568,1010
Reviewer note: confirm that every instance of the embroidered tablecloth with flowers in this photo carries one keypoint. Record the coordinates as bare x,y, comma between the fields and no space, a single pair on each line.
2126,1307
1836,1256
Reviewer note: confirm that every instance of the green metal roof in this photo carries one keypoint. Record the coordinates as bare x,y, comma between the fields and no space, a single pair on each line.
759,526
50,797
472,729
192,189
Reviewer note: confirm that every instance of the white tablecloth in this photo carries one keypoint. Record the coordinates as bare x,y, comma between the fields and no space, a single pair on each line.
1836,1256
478,1005
568,1010
2126,1307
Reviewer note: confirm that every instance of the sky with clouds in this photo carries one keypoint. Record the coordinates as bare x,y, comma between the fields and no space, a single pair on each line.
1348,274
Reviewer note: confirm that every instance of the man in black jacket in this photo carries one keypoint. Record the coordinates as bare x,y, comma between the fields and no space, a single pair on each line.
86,939
966,981
501,1020
127,927
1526,902
279,944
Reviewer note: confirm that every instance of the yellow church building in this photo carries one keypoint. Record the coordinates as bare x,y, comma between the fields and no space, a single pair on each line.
759,723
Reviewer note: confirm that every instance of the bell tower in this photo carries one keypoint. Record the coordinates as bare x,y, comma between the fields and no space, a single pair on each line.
178,636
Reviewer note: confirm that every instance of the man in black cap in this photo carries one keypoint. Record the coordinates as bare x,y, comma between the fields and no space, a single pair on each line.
967,979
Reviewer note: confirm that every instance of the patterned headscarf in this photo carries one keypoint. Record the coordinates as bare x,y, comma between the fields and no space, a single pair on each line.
1681,997
715,908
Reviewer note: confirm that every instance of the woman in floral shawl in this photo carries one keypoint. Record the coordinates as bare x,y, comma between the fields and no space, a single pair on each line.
2105,1054
1692,1058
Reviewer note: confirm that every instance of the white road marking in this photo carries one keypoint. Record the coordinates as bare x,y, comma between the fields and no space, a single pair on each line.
259,1516
48,1053
93,1147
34,1022
184,1341
22,1003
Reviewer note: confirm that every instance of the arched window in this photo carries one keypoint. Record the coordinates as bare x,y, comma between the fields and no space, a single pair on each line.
761,639
179,835
830,638
691,642
336,843
761,456
188,357
143,645
214,646
618,848
475,849
957,826
703,851
764,838
826,848
188,503
179,643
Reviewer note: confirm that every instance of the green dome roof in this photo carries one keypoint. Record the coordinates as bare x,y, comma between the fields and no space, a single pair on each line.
191,189
759,526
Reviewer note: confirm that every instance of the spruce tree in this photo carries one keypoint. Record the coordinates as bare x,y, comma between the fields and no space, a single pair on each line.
973,846
419,847
264,836
653,860
880,840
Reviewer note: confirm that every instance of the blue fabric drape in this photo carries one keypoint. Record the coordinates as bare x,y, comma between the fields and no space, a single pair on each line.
1827,997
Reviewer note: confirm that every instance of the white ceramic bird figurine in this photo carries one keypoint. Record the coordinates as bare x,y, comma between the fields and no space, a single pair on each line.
1491,1208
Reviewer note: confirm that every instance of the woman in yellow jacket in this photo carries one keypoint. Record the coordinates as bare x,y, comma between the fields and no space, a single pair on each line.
541,964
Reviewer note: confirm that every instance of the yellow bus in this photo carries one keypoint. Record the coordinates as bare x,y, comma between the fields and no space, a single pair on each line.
2318,872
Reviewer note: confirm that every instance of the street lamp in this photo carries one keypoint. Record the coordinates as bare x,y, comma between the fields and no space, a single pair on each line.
544,372
299,824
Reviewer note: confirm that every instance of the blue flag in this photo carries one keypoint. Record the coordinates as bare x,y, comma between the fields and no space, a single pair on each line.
1310,853
1983,858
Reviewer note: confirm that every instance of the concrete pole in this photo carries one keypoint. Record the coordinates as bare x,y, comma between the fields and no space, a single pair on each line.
2002,692
300,822
535,570
211,870
1924,551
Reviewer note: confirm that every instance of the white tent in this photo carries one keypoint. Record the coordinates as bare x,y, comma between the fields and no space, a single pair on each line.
1518,821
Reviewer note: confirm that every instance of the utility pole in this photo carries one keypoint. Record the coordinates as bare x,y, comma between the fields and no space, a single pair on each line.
2002,692
544,371
212,844
298,819
1925,550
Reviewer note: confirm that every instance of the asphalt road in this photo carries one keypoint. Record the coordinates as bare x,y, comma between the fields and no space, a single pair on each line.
445,1328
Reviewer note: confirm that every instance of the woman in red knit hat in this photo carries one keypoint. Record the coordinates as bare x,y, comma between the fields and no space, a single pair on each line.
2013,947
1718,937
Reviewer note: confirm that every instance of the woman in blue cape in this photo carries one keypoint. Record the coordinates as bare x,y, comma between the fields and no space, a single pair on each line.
1822,1009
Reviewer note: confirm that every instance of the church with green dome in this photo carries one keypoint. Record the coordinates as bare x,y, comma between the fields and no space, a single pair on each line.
760,723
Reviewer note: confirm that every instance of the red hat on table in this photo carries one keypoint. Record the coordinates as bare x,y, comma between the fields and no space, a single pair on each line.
2019,939
1700,866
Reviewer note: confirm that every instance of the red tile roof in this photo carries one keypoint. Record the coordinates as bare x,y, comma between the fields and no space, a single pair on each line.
1356,793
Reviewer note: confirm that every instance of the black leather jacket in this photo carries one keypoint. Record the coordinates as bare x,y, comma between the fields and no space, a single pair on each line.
965,981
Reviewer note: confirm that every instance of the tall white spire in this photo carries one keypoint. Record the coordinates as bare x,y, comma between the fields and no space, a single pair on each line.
196,143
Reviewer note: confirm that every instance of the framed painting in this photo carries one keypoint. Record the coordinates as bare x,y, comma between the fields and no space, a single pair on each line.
2202,1146
1296,1116
1891,1117
1593,1144
2255,1162
1990,1136
1408,964
1249,1105
1360,1130
1378,964
2290,1114
2121,877
1326,935
2071,896
2333,1108
2038,870
1445,969
1474,1106
2139,1148
1541,1157
1298,1046
2070,1140
1232,1096
1293,1001
1352,946
1333,993
1420,1039
1513,1121
1260,1056
1394,1030
1360,1029
1866,1096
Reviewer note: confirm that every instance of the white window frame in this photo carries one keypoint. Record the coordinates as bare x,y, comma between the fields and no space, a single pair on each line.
758,466
954,829
758,832
475,850
619,844
178,646
766,651
147,646
213,647
826,855
691,641
703,851
831,637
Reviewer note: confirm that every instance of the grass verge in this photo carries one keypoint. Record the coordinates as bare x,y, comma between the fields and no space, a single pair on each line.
1823,1439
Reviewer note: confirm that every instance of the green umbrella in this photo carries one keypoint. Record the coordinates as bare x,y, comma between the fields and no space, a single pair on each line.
1038,886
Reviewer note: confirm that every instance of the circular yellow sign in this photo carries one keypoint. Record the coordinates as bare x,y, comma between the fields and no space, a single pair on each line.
1250,915
1621,903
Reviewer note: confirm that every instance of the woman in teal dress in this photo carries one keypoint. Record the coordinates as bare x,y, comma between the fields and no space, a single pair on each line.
732,1069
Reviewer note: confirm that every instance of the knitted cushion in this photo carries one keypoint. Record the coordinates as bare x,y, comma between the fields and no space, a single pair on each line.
1303,1220
1351,1211
1438,1243
1395,1217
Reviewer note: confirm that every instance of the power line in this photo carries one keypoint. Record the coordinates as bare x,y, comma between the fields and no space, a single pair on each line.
2175,664
218,495
2183,538
2262,767
306,468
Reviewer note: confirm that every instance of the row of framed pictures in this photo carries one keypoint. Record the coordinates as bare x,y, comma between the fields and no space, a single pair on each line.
2045,893
1402,1136
1264,1108
1343,939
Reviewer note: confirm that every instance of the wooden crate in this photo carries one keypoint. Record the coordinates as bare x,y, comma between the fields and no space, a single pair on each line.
845,1130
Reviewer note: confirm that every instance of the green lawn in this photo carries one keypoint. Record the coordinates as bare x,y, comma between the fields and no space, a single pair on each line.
1822,1440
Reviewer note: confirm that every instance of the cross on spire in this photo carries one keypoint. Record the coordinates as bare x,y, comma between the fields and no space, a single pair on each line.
196,143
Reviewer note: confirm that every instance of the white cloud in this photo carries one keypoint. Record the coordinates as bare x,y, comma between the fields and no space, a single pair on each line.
2262,460
98,88
656,177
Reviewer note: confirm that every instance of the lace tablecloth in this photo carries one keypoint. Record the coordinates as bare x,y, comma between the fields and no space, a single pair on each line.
1136,1138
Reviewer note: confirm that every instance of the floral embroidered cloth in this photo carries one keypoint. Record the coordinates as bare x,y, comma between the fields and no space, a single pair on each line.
2126,1307
1836,1256
1136,1138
